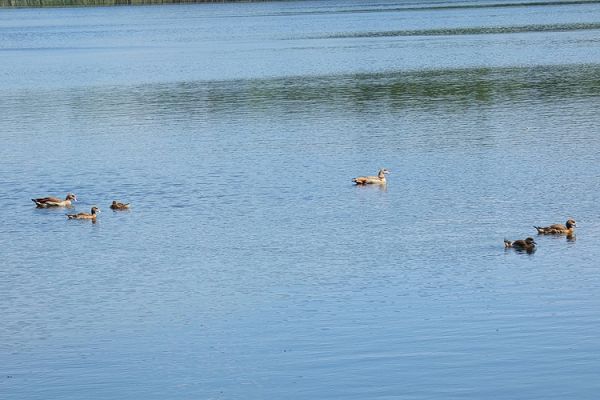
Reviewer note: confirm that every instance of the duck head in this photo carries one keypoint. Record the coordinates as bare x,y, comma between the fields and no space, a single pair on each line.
383,172
71,196
571,224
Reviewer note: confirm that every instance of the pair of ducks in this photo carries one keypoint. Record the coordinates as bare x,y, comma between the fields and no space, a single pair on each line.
49,202
529,244
95,210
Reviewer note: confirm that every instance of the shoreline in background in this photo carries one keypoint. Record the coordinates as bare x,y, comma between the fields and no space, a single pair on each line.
95,3
86,3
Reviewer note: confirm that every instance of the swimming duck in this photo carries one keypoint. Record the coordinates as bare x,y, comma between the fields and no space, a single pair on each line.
119,206
557,229
82,215
45,202
527,245
376,180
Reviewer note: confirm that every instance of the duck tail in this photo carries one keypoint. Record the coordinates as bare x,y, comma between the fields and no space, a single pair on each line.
71,216
507,243
539,229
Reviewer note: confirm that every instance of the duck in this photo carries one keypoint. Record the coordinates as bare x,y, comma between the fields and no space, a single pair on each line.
372,180
527,245
557,229
119,206
45,202
94,212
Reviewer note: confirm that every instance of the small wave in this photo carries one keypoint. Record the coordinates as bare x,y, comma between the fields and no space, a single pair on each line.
437,6
470,31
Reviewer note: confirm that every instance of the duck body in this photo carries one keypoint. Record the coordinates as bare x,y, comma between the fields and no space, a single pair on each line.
119,206
372,180
527,245
92,215
45,202
557,229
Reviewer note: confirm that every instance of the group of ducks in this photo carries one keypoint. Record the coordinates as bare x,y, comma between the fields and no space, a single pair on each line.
527,245
51,202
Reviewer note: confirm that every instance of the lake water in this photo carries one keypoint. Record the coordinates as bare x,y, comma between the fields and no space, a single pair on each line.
249,266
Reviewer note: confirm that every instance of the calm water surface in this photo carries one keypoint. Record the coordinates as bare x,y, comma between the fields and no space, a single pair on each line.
249,267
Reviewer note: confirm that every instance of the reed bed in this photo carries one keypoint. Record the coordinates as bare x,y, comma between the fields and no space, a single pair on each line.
74,3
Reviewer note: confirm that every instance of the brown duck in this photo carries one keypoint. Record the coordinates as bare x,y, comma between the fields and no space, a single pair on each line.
372,180
557,229
45,202
82,215
526,245
119,206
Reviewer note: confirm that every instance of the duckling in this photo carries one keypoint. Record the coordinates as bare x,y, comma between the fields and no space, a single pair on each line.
92,215
527,245
45,202
558,229
375,180
119,206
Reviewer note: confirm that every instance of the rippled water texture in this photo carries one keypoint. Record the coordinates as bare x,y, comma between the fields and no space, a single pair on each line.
249,267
